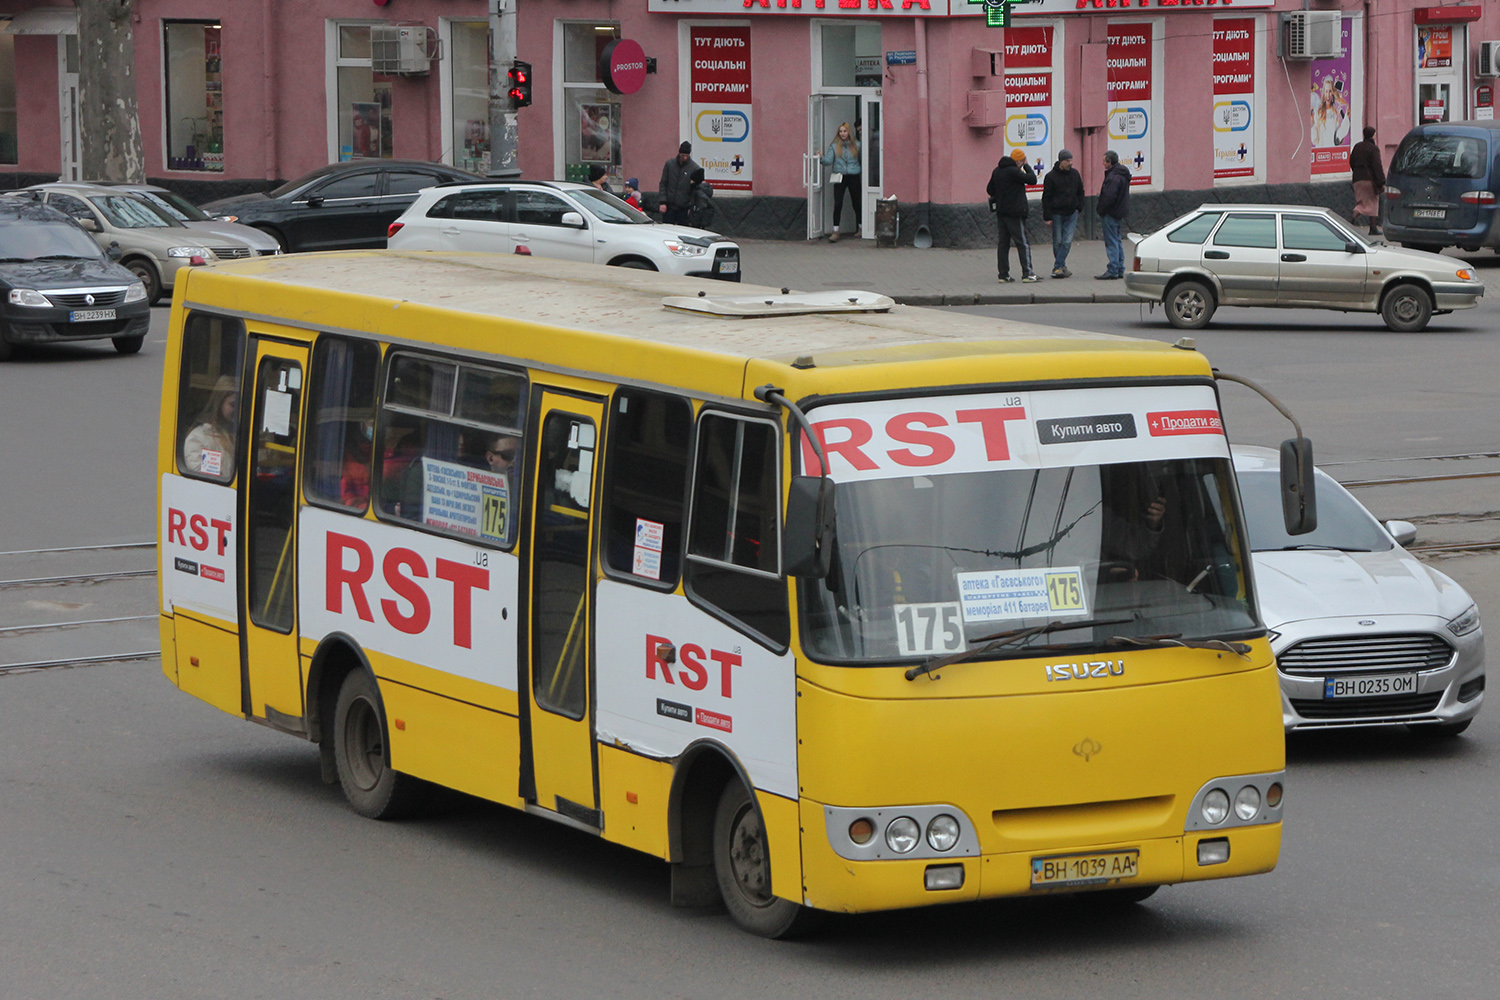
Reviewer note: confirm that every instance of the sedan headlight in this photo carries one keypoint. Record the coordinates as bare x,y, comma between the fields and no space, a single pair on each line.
28,297
680,249
1464,274
1462,625
227,218
203,252
135,293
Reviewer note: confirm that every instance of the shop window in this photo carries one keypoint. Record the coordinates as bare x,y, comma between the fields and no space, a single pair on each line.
649,439
362,111
851,55
734,541
195,96
468,66
591,114
341,422
208,396
7,98
450,444
1247,231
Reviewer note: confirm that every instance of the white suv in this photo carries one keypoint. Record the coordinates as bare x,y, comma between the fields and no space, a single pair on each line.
560,220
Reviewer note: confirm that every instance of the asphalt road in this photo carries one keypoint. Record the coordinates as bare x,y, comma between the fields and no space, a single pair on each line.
153,847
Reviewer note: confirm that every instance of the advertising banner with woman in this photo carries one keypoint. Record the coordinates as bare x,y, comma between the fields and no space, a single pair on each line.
1332,101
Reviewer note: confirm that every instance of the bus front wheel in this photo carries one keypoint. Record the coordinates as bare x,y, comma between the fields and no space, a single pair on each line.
362,754
742,864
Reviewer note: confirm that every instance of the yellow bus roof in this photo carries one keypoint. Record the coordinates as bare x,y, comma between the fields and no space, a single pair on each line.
611,322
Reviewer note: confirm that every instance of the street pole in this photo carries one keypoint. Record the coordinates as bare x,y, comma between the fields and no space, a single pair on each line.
504,147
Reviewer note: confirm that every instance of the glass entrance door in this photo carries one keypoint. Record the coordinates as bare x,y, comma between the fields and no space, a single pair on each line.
1441,54
872,156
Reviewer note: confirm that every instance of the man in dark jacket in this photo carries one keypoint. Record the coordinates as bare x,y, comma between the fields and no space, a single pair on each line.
1007,191
676,187
1114,205
1062,197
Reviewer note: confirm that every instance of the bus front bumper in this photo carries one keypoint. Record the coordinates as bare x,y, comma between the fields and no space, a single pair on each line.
834,883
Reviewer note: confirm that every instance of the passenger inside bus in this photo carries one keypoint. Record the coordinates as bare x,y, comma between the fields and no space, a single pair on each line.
354,477
209,446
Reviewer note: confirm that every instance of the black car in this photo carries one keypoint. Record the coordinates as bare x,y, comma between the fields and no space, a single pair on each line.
58,286
343,206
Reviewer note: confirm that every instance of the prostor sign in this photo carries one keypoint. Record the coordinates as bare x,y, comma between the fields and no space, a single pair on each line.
622,66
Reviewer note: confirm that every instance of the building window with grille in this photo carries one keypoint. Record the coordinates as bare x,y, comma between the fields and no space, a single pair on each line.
362,98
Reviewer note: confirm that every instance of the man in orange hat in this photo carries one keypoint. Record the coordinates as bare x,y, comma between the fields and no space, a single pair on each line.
1007,191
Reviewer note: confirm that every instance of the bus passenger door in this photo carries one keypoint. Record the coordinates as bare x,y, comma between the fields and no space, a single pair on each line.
561,704
271,671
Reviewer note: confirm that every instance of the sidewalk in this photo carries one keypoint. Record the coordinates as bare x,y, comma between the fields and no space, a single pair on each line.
929,277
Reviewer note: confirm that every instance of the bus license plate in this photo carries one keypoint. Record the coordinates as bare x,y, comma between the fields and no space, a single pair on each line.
1084,869
1429,213
729,267
90,315
1368,687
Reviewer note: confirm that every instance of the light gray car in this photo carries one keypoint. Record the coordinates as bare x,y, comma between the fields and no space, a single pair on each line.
1293,256
261,244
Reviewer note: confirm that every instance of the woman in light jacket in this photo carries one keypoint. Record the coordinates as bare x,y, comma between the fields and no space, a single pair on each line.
843,156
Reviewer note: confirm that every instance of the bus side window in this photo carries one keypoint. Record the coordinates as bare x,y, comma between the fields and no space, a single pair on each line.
450,445
646,491
341,422
208,397
734,541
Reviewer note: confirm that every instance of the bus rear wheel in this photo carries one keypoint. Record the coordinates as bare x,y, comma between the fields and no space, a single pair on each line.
361,752
742,864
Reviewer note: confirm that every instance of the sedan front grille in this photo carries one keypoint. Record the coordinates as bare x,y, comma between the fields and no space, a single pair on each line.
1366,708
232,253
1345,654
80,300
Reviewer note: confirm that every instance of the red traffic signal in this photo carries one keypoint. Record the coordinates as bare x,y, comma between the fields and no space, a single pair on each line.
520,83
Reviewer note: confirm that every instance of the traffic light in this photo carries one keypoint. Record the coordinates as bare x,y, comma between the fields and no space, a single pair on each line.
520,83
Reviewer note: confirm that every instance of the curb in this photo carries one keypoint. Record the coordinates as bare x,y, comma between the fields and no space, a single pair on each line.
1012,298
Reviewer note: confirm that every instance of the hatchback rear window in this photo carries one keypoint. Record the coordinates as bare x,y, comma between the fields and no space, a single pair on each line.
1441,156
1196,229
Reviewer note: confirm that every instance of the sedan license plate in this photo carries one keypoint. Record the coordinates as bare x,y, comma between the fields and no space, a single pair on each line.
1060,872
1372,686
729,267
1429,213
90,315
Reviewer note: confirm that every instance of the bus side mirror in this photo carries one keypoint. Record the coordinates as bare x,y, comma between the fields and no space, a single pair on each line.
808,538
1299,503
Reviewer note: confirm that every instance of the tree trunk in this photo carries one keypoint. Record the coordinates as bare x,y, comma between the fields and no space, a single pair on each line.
109,125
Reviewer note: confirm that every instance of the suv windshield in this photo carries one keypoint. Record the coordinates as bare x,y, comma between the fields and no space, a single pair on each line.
1343,523
1441,156
125,212
934,562
608,208
175,206
27,240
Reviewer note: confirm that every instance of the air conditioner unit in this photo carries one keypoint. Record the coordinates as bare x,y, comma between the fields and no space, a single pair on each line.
1489,59
403,49
1313,34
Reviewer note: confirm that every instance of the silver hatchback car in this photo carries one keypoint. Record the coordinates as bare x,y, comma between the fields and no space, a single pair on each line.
1291,256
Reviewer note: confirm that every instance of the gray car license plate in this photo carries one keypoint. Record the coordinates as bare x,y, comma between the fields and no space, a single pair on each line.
1429,213
1369,686
90,315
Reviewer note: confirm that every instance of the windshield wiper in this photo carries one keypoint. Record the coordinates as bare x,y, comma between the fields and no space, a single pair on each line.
1002,639
16,260
62,256
1312,546
1240,649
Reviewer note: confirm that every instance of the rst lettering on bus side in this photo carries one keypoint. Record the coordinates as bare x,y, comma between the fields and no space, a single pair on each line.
199,547
436,601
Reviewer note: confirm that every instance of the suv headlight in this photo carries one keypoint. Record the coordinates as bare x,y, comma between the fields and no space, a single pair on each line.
203,252
28,297
1462,625
135,293
680,249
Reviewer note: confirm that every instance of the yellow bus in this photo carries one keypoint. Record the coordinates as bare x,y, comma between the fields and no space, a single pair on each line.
833,604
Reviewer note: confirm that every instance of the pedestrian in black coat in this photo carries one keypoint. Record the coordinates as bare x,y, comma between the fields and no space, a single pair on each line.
1062,198
1114,205
1007,191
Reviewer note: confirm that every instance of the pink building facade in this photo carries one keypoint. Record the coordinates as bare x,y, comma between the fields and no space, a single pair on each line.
1202,100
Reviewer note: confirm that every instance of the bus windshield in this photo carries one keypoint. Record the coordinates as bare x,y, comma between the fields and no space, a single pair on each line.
935,563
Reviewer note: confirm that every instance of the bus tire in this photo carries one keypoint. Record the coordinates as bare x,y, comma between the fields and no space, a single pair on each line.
362,753
742,865
1123,897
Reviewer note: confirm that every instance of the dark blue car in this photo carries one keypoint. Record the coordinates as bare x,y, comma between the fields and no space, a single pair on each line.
1441,186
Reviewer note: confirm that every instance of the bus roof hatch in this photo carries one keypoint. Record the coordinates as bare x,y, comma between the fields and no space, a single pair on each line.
786,304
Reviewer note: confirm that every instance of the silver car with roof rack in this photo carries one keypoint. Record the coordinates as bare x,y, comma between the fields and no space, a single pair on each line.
1291,256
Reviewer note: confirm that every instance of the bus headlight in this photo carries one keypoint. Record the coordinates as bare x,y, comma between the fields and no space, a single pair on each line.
1247,803
942,833
1215,807
903,835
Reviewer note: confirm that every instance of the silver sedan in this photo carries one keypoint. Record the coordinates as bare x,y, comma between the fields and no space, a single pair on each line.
1291,256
